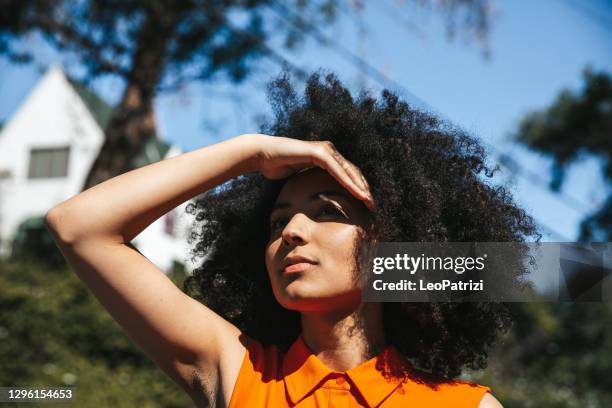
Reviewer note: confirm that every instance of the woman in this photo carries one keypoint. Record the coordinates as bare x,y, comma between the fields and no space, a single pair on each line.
278,319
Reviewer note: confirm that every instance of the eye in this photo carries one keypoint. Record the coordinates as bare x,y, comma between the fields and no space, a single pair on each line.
332,210
328,211
277,223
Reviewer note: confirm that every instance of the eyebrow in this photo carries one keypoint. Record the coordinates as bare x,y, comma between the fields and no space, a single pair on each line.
315,196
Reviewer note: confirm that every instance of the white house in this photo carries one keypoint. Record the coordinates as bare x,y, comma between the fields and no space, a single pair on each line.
46,150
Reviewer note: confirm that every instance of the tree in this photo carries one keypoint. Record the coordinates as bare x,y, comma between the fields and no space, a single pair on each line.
158,44
575,126
150,45
557,353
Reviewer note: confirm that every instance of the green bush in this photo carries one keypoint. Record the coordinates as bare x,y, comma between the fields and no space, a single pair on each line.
557,355
33,240
54,332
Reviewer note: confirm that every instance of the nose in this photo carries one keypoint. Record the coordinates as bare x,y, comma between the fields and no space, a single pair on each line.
296,231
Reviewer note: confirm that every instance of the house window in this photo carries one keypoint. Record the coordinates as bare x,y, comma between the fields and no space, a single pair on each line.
48,163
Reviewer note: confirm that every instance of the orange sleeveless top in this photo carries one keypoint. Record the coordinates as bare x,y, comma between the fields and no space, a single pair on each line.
269,378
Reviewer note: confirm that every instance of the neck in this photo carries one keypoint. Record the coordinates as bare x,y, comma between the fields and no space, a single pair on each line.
344,339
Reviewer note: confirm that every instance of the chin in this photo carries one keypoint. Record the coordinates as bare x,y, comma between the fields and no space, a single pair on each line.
296,298
302,300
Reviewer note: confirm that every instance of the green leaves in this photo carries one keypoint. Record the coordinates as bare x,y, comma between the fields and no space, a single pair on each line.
53,332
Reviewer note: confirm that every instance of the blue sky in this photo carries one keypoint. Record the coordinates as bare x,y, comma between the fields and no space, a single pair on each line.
537,49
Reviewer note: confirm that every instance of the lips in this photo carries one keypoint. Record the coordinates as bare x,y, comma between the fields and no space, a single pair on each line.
297,263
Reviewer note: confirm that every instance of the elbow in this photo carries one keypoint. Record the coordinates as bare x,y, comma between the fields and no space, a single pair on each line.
57,224
69,225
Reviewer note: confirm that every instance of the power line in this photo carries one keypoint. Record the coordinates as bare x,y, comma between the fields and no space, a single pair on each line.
394,16
370,71
511,164
268,52
589,14
528,174
357,61
383,80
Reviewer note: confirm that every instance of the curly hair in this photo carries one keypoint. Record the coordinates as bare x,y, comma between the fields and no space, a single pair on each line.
423,175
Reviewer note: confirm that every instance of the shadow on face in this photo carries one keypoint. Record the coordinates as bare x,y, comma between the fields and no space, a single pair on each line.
315,226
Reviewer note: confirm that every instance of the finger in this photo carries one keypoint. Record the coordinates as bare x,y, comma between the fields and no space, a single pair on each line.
333,167
327,161
369,202
349,168
363,179
357,177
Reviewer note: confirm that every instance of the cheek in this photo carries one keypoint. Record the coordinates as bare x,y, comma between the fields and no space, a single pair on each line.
338,243
341,234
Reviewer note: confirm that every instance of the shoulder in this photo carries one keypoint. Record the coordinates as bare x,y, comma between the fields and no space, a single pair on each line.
478,395
474,395
457,394
489,401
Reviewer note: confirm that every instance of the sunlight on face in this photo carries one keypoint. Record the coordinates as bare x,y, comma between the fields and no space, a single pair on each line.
317,219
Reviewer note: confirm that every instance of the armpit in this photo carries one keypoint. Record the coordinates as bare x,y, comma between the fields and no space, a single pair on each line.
205,389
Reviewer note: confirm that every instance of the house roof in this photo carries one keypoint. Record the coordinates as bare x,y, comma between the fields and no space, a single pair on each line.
97,106
154,149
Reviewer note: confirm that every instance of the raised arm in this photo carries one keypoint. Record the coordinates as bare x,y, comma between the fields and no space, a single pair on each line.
93,230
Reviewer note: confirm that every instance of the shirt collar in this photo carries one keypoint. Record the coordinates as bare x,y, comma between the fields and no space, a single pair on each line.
303,371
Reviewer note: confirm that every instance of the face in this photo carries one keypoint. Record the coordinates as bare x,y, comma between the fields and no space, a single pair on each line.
314,227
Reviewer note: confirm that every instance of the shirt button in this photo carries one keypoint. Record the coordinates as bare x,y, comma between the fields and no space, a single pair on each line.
340,380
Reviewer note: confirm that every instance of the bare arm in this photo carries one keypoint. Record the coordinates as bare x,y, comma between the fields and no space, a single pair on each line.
122,207
93,230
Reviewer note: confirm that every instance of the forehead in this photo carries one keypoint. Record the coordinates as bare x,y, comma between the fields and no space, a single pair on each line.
308,182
